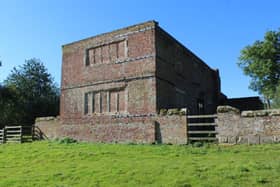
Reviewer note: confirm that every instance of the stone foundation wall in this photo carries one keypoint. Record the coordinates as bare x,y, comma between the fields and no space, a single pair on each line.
171,129
165,128
252,127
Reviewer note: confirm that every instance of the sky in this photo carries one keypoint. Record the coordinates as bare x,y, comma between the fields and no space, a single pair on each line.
215,30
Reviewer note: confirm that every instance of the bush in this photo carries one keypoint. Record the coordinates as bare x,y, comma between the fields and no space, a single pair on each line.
197,144
67,140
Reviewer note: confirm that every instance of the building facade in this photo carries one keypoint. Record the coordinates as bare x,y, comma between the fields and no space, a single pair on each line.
117,87
137,70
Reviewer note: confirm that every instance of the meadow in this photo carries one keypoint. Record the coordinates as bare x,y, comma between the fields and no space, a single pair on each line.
60,163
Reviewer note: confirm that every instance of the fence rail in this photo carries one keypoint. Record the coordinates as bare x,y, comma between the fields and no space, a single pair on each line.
202,127
2,136
16,134
202,116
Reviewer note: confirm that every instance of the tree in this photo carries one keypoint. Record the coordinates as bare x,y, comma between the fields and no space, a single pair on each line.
35,91
261,61
276,98
9,110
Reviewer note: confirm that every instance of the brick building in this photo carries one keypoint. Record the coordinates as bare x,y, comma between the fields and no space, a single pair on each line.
137,70
114,85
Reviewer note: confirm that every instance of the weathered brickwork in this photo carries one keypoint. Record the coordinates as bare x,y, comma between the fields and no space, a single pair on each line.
252,127
137,70
111,73
171,129
114,85
183,79
119,129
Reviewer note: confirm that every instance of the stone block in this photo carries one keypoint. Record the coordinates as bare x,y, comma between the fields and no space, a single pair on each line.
222,139
253,139
275,112
225,109
248,113
173,111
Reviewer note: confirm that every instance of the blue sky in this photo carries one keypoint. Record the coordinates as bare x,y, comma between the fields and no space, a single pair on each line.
215,30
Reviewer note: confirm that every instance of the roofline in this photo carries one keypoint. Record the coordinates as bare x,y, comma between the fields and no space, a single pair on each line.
156,25
251,97
114,31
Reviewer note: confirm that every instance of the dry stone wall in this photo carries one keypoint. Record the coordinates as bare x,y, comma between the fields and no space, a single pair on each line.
251,127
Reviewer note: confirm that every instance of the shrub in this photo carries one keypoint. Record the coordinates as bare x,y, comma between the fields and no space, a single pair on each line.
67,140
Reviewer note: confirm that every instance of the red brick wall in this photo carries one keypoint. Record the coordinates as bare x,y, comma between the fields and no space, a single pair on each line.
137,45
183,78
122,60
123,129
135,131
132,73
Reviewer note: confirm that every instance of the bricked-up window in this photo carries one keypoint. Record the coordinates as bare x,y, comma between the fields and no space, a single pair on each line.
105,101
113,101
117,101
112,52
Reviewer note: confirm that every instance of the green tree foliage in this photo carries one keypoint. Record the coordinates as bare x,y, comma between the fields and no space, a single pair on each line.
9,110
261,61
29,92
276,98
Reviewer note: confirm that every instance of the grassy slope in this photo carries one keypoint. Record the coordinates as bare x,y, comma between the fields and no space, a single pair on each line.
54,164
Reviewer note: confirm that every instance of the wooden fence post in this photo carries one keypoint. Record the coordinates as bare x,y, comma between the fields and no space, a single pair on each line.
2,136
20,137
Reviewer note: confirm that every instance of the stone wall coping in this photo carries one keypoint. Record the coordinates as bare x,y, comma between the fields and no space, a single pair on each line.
260,113
173,111
226,108
131,115
249,113
164,112
48,118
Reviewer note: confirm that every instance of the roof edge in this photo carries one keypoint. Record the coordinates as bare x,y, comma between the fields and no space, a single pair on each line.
153,22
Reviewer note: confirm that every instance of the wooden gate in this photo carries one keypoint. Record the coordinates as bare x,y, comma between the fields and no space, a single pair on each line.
16,134
2,136
201,127
13,134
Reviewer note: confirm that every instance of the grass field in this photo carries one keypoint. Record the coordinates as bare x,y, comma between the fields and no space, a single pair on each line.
84,164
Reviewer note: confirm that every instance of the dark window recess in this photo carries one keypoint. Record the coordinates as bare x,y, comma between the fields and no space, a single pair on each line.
87,58
100,102
93,102
86,104
118,102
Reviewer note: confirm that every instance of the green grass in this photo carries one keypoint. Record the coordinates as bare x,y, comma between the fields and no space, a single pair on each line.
85,164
